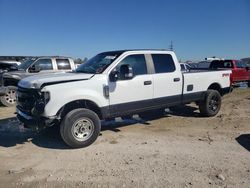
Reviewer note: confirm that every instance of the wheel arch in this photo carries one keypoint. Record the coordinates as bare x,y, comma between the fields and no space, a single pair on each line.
81,103
217,87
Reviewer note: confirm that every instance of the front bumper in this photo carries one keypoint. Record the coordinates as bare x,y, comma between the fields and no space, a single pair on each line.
3,90
34,122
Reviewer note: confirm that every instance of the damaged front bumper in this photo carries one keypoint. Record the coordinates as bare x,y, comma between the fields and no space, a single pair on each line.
35,122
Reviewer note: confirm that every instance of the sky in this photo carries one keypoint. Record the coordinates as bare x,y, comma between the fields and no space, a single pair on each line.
83,28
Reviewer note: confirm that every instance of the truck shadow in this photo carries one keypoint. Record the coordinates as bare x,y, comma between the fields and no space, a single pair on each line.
12,133
244,141
185,111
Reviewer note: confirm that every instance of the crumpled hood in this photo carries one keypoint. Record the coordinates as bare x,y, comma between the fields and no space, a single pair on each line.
52,78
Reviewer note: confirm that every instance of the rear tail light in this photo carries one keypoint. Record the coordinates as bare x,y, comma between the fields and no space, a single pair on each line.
230,77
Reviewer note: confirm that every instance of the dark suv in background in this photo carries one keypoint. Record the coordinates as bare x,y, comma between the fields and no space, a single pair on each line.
30,67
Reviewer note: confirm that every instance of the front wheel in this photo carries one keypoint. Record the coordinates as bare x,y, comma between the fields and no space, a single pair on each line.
211,104
80,128
9,99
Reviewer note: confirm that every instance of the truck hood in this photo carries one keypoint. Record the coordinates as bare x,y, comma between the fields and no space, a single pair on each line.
19,74
38,81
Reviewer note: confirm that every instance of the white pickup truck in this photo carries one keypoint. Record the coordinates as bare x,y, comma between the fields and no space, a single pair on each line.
115,84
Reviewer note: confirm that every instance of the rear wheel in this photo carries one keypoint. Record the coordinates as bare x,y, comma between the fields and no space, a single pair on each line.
9,99
80,128
211,104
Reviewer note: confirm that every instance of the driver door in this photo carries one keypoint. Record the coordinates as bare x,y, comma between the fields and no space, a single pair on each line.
136,93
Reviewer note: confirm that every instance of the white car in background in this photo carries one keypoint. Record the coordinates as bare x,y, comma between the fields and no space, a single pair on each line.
185,67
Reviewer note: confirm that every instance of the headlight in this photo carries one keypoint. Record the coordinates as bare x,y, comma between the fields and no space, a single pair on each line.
41,103
46,96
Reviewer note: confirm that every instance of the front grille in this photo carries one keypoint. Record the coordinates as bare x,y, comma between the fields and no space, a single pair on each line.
26,99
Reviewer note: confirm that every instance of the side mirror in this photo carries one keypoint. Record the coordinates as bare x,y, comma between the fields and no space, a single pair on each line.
113,76
126,72
35,68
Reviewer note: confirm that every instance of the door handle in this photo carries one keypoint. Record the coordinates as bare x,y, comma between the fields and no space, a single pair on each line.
147,82
177,79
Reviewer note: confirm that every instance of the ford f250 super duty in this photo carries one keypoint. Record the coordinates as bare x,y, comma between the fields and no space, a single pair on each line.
115,84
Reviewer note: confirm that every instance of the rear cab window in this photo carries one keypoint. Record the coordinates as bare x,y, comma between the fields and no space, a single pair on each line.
163,63
63,64
241,64
221,64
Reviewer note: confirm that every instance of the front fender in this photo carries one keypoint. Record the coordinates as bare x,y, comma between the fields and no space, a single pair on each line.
58,101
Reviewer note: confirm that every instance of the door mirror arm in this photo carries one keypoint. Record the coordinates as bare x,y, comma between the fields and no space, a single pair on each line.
113,77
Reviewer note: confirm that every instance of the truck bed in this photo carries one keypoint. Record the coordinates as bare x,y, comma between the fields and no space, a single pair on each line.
198,80
199,70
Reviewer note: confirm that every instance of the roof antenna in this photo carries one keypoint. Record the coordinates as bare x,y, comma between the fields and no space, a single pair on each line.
171,47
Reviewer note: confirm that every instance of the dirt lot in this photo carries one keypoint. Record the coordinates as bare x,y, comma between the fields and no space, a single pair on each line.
178,150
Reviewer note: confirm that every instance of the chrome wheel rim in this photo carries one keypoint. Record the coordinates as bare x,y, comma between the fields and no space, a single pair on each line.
10,96
83,129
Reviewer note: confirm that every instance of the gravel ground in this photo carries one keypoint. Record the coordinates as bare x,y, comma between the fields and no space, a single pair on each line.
180,149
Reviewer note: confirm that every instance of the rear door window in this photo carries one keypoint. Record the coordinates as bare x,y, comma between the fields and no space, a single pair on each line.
163,63
63,64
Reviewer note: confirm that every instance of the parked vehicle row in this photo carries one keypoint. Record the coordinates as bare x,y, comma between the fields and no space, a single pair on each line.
240,70
30,67
115,84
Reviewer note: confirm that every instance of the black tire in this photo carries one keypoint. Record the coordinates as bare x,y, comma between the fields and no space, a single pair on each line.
9,99
71,132
211,104
152,114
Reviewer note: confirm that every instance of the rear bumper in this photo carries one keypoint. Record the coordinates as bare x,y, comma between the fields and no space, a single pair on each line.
3,90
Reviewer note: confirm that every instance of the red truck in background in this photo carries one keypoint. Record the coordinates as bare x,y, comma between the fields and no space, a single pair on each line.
240,70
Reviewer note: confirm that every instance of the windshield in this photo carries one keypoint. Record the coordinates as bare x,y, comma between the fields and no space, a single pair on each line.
99,63
26,64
